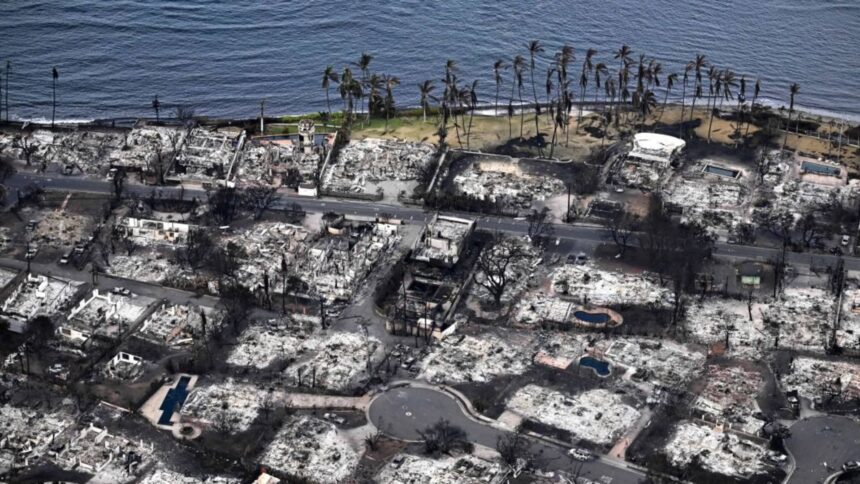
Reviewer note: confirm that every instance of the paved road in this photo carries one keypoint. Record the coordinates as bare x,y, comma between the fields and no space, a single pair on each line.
585,233
831,438
402,412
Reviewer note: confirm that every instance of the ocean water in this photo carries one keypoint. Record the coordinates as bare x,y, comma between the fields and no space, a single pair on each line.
221,57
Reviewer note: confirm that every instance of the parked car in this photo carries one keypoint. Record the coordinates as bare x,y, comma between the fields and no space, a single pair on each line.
64,259
851,465
580,454
845,240
31,253
121,291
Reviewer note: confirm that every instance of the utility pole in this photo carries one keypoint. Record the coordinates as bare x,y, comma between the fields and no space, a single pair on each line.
262,116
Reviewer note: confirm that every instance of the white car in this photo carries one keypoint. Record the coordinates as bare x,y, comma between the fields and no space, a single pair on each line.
121,291
580,454
845,240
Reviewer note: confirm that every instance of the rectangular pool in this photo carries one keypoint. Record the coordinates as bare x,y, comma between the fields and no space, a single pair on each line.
819,169
719,171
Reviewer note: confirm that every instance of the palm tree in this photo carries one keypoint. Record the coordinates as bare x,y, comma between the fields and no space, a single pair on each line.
562,61
742,94
793,90
519,65
600,71
329,76
54,76
550,71
498,67
425,88
473,103
390,83
363,65
374,86
647,103
671,79
687,69
156,106
534,49
698,64
349,89
756,91
587,67
607,115
623,56
714,80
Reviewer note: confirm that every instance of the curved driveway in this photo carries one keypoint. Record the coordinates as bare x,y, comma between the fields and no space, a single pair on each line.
402,412
814,441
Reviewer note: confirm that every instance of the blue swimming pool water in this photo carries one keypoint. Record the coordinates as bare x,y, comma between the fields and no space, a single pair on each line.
593,318
716,170
173,400
600,367
810,167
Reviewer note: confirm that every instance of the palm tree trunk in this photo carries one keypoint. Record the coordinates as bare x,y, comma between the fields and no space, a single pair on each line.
683,100
424,110
749,120
53,102
497,98
537,108
522,111
327,103
469,129
663,109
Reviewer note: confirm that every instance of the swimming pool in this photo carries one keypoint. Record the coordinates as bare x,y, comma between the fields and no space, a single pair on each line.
720,171
593,318
600,367
819,169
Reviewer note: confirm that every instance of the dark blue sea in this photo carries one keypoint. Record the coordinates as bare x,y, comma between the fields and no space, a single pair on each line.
223,57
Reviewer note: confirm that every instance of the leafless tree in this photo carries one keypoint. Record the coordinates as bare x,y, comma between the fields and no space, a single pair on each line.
442,438
493,264
27,146
540,227
224,204
198,245
512,447
259,198
622,228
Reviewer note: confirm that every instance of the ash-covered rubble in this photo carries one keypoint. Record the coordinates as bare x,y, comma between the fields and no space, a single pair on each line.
733,323
331,265
466,469
729,397
265,342
340,362
802,318
598,416
225,406
208,153
823,380
311,448
668,363
716,450
508,187
478,358
277,163
370,161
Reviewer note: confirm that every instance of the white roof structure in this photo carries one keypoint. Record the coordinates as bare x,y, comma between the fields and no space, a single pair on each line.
656,147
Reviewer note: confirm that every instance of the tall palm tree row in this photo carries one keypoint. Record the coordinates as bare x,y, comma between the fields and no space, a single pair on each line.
629,92
792,91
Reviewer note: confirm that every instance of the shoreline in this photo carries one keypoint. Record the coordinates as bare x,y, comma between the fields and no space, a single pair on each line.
483,109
